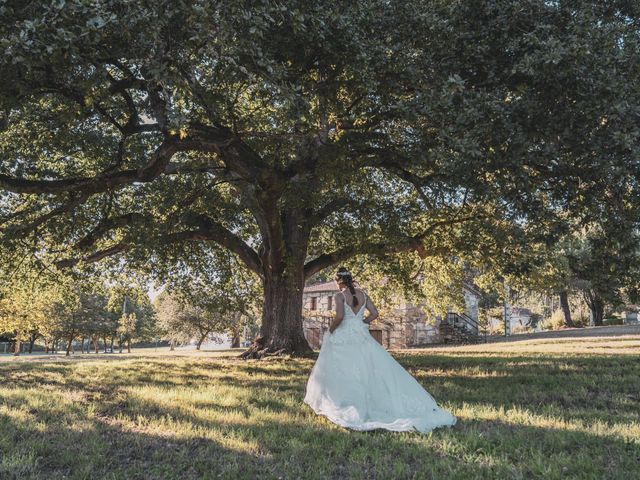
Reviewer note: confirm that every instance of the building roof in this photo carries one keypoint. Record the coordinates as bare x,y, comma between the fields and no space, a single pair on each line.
322,287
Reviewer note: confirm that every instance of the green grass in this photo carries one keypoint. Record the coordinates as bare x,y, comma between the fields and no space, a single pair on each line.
526,410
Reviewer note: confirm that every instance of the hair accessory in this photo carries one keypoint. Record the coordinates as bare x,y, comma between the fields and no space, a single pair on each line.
343,274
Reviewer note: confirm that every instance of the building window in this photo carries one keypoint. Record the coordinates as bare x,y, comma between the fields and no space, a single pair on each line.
329,302
314,303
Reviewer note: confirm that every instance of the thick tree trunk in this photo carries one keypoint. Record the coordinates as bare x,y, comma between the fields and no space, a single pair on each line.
120,344
201,339
596,307
236,329
69,346
281,330
111,347
106,345
564,305
128,345
235,339
96,345
32,340
172,345
17,346
597,313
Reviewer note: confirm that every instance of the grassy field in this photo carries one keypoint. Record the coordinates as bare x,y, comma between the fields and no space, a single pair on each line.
534,409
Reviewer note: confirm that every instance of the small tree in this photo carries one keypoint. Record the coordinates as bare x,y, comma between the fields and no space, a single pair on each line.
131,308
214,294
169,320
25,301
127,326
181,320
600,261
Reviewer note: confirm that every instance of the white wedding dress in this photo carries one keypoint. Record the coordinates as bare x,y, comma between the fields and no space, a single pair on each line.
357,384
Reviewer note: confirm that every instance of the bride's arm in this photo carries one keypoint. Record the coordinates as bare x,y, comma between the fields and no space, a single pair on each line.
337,301
373,311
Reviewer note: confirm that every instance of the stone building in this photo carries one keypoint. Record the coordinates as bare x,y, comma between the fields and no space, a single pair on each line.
403,326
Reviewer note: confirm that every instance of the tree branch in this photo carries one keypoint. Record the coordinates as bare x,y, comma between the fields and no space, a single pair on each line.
97,256
408,243
100,183
66,207
207,230
333,206
104,227
327,259
214,231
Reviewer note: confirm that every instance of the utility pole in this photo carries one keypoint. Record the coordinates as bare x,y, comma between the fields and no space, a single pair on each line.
124,315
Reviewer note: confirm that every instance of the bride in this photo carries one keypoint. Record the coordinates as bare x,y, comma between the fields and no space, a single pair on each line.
355,383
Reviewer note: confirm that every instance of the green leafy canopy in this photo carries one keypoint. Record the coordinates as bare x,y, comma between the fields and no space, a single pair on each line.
297,135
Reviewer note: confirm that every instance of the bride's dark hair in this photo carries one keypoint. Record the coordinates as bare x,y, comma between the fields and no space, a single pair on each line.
343,275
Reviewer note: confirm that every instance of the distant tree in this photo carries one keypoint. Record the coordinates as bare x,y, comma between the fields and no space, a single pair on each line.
606,269
433,282
170,319
26,296
129,303
599,261
180,318
222,295
20,315
127,324
77,314
549,273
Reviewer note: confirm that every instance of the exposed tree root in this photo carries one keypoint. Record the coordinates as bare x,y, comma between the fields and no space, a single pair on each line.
258,350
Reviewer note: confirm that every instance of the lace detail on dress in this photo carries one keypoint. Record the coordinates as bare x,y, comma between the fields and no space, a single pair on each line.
352,329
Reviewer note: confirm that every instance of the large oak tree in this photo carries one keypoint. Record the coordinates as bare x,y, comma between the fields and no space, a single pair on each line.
297,135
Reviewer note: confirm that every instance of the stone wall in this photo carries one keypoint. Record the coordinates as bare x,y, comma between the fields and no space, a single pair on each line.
402,327
393,332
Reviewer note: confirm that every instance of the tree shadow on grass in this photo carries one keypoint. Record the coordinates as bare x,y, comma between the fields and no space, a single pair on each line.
112,432
128,374
574,388
108,451
74,445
